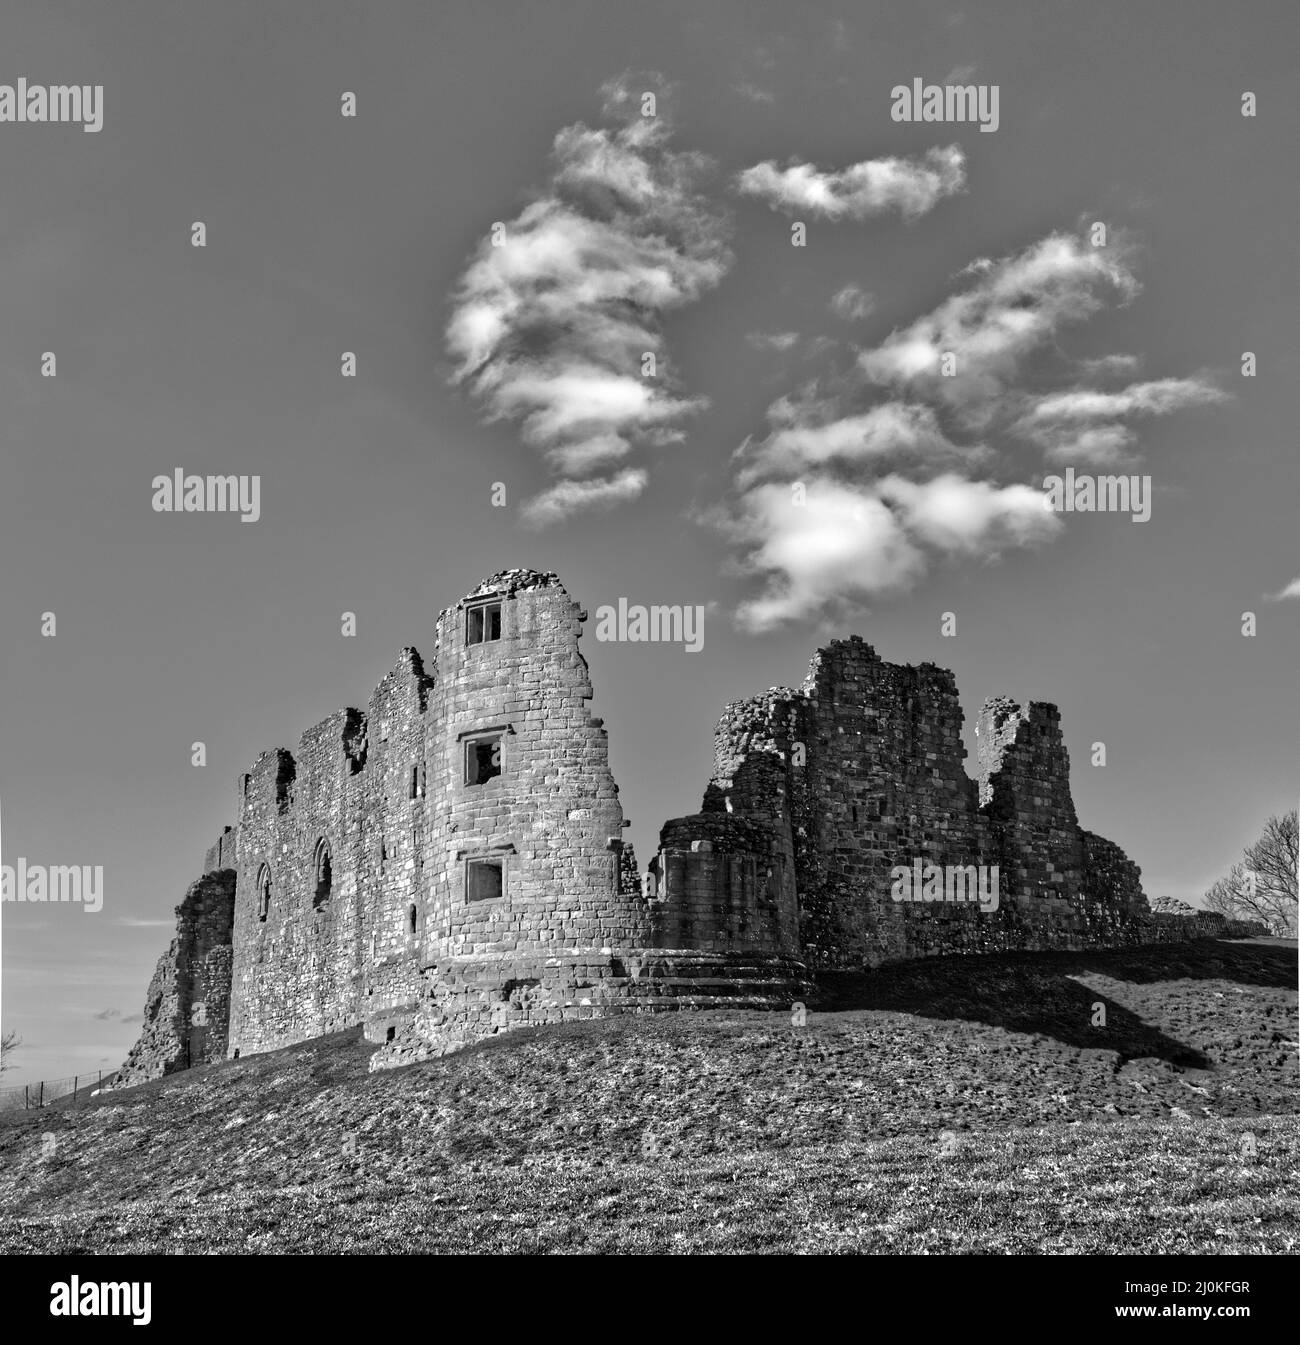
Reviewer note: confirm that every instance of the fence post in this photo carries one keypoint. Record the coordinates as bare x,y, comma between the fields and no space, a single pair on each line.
26,1104
41,1100
75,1080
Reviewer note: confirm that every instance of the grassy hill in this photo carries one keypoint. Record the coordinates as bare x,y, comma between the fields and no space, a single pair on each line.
951,1106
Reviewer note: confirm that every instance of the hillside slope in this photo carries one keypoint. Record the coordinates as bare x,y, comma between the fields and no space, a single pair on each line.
947,1106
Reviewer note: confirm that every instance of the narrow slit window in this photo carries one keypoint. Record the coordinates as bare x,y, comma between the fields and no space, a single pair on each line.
483,623
324,875
484,879
482,759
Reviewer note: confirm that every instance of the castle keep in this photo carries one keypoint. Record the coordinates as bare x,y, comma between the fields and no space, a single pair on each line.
450,862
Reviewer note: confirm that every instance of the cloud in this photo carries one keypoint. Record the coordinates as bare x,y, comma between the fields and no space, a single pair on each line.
549,328
970,518
909,186
890,430
789,343
1153,399
131,922
754,93
1103,366
852,303
772,340
1012,308
845,544
107,1015
868,478
570,497
1100,446
1083,424
1292,590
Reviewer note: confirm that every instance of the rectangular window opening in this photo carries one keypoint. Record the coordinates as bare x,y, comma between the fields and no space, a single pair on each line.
483,623
482,758
484,879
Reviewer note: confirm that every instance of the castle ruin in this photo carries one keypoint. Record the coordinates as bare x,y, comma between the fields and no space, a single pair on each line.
450,862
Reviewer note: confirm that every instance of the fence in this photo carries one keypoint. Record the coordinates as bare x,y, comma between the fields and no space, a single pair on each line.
70,1091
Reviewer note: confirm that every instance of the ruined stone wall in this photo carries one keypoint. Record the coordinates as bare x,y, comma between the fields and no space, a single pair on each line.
330,949
403,942
450,862
395,878
861,772
572,933
1165,927
718,881
187,1004
553,812
224,854
886,786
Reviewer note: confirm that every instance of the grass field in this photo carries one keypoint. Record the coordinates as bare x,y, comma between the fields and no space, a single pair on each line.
952,1106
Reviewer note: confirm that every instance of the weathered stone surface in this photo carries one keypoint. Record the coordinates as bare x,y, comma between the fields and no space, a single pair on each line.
449,863
860,772
187,1007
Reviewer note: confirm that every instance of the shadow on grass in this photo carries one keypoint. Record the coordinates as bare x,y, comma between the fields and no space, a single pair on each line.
1037,992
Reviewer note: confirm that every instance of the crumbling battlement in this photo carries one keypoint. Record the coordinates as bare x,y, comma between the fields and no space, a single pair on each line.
449,862
187,1006
860,772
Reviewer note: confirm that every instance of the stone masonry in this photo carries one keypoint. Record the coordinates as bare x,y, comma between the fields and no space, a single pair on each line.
187,1006
450,862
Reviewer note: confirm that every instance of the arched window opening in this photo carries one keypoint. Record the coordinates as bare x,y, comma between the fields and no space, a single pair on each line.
413,917
263,893
324,867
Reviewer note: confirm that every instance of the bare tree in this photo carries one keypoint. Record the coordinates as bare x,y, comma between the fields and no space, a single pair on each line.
1263,886
10,1042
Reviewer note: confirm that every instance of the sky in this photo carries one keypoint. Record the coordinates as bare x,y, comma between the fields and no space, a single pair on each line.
798,464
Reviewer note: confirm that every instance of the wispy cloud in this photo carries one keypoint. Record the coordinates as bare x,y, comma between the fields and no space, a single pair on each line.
1012,308
754,93
1085,425
852,303
866,479
571,497
772,340
812,436
1152,399
1292,590
909,186
1107,366
789,343
550,327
